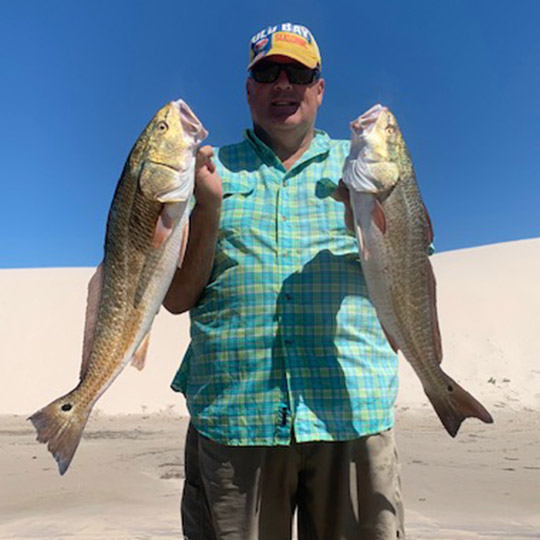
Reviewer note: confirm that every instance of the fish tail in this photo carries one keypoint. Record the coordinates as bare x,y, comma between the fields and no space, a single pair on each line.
455,404
60,424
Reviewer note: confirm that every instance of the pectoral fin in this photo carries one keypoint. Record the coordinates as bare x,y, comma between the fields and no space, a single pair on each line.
378,217
164,227
183,246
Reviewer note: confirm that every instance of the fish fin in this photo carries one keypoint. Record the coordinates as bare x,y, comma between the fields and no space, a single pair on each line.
92,307
166,223
390,339
164,227
378,217
430,226
455,405
359,202
139,358
432,288
60,424
364,251
183,246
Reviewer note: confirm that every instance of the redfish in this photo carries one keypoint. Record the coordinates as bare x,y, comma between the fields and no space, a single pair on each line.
394,234
144,244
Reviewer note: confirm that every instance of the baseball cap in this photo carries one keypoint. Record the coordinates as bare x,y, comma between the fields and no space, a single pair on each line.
292,40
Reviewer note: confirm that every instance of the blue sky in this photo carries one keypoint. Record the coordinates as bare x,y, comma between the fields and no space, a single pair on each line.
80,80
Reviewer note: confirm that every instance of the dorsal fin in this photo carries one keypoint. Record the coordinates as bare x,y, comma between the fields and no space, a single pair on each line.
432,287
430,226
93,300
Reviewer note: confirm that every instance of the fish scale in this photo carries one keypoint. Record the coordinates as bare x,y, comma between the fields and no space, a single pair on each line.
407,238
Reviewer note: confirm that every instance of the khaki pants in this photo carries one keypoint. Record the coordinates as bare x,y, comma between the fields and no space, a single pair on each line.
342,490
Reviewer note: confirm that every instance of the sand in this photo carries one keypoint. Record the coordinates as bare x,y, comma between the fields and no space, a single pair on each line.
126,478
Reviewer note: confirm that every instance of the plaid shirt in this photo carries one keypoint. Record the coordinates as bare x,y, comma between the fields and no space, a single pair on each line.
284,336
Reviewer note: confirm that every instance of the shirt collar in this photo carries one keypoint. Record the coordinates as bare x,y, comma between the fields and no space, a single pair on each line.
319,145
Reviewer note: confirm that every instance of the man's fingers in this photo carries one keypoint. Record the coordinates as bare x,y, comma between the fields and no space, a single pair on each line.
211,166
207,151
204,158
341,193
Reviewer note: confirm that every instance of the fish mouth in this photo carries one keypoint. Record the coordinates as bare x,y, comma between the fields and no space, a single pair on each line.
191,124
367,120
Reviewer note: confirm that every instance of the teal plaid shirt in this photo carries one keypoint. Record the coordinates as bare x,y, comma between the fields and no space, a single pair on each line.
284,337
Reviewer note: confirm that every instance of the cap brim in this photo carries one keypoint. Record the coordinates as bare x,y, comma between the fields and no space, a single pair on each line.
305,59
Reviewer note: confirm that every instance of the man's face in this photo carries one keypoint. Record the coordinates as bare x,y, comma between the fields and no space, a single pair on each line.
281,106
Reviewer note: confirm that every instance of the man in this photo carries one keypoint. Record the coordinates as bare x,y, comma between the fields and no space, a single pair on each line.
289,380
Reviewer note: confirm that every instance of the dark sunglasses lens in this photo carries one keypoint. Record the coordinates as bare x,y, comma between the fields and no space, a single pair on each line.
265,73
269,72
299,74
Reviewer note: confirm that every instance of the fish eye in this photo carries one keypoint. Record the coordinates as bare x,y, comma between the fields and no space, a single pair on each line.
390,129
162,126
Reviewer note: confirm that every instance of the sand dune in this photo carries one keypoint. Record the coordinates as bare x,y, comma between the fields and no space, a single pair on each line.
42,320
127,475
489,312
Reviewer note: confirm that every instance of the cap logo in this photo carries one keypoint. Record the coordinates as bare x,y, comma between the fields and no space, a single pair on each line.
259,46
291,38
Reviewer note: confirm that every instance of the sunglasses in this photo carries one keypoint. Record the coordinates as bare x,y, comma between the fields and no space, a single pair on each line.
268,72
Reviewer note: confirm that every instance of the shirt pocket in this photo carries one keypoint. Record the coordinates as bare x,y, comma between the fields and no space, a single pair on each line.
220,301
237,206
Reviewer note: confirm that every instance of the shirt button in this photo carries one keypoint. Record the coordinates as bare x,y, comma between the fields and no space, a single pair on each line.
287,296
288,342
285,183
284,218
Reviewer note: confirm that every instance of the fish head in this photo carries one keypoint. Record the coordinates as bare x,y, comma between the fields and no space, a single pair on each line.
373,166
168,162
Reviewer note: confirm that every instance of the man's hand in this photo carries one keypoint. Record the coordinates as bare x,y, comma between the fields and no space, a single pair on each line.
208,192
341,194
